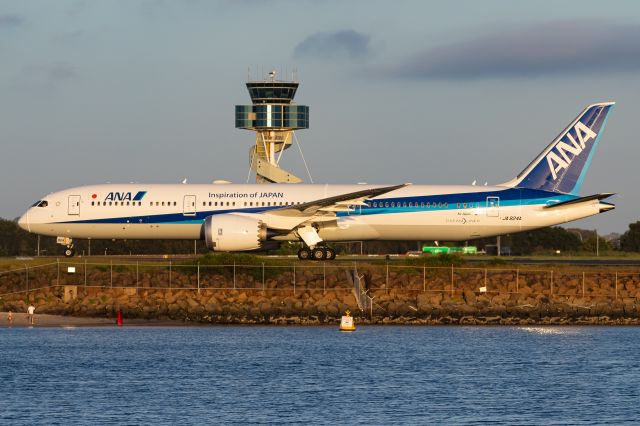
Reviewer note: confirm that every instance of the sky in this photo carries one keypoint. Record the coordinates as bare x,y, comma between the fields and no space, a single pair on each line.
404,91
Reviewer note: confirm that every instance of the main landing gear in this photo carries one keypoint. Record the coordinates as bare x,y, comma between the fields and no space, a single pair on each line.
316,253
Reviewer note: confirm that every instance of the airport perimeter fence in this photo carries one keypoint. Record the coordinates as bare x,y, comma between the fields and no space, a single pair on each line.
321,276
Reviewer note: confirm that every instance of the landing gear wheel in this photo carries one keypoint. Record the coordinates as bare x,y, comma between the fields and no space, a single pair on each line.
304,254
331,253
69,252
319,253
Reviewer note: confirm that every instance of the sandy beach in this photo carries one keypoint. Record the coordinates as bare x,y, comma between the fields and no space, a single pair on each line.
44,320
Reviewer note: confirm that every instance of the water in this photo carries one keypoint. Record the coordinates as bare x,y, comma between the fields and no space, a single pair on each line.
302,375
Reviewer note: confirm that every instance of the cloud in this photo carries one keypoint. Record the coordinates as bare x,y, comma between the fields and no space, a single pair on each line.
552,48
329,45
46,76
8,21
60,71
68,37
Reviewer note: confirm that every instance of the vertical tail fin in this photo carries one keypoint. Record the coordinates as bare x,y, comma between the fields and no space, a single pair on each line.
562,166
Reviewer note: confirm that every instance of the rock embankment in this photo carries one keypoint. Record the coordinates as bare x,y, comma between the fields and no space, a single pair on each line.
399,297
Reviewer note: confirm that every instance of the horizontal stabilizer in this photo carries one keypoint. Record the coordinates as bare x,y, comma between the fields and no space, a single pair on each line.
581,200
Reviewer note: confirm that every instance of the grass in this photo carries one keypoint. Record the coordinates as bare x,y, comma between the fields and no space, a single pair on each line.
252,264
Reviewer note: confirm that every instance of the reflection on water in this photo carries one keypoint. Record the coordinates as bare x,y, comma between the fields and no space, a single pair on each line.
552,330
377,375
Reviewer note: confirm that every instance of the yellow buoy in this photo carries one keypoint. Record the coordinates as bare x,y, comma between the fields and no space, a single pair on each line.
346,323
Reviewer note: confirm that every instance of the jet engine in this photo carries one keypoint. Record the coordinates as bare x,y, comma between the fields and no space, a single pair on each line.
234,232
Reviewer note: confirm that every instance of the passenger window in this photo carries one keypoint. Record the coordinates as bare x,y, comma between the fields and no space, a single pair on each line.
93,203
110,202
422,204
410,204
446,205
439,205
464,205
234,203
428,205
251,203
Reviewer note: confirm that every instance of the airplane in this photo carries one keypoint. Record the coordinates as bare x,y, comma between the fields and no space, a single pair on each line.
239,217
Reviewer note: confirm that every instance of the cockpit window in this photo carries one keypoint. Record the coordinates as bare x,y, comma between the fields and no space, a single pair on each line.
40,203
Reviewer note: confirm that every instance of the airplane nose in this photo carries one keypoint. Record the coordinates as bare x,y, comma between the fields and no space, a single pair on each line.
23,222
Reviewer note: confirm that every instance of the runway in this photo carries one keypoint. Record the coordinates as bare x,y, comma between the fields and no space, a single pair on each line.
564,261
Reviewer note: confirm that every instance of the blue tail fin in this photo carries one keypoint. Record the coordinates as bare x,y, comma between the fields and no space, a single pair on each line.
562,166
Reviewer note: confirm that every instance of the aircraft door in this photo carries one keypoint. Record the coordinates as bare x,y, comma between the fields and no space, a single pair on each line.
493,206
74,205
189,205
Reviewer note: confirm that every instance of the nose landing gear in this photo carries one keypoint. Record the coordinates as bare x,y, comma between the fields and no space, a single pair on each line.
69,250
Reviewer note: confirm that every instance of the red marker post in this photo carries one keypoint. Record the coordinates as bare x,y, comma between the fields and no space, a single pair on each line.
119,318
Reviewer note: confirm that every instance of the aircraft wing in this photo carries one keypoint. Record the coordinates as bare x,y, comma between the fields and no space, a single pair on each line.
290,217
334,204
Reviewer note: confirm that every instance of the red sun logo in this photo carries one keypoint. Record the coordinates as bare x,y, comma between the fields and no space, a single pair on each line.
94,196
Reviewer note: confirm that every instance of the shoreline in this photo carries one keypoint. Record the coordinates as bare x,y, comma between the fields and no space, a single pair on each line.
20,320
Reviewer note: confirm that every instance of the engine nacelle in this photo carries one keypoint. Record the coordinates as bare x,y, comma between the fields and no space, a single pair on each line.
233,232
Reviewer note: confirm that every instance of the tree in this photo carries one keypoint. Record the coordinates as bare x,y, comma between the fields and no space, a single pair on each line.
545,239
630,240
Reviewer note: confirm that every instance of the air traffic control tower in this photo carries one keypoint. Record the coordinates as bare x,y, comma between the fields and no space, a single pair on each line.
274,117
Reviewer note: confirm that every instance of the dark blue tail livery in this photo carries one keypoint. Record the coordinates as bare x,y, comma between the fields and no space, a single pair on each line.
561,167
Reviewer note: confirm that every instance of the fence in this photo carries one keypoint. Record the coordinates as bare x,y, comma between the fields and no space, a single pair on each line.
364,301
324,276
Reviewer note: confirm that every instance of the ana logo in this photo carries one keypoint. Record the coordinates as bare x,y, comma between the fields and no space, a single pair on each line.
558,158
125,196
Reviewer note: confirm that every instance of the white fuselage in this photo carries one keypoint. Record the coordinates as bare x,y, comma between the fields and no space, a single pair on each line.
414,212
